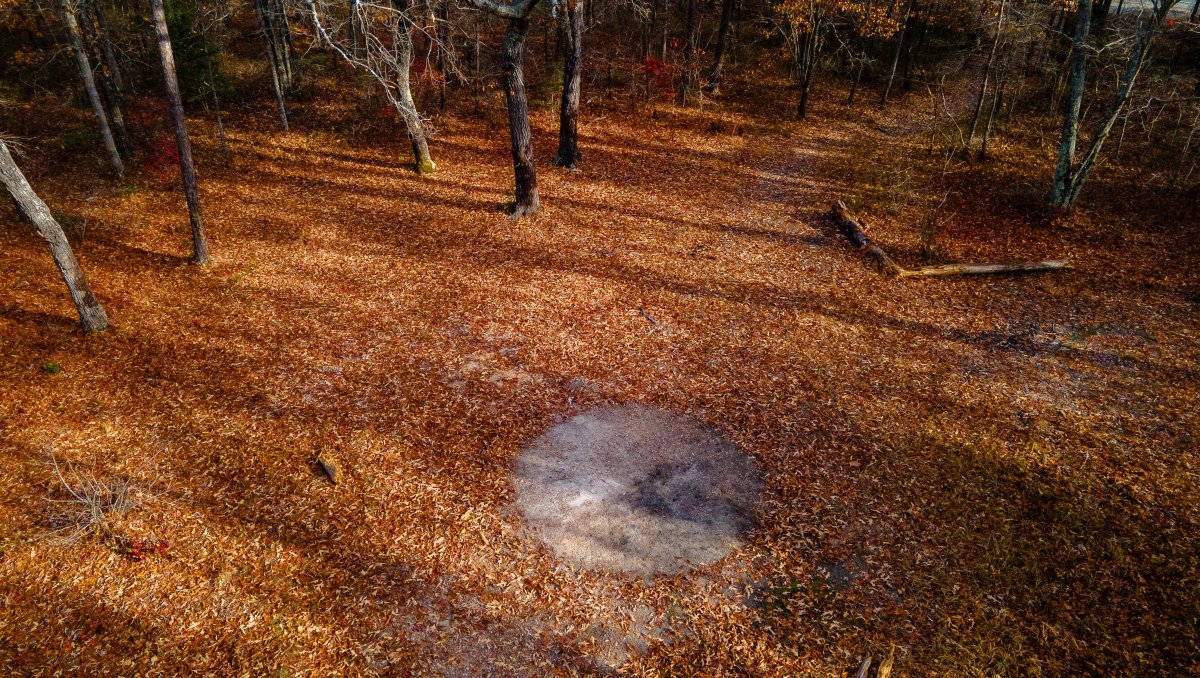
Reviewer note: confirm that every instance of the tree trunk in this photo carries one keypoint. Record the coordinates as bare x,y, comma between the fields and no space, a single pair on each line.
527,200
987,73
91,313
264,22
282,40
107,85
811,47
1141,48
855,232
991,119
446,40
689,56
212,88
666,29
568,117
89,84
896,57
114,68
714,75
1070,134
408,107
187,170
863,63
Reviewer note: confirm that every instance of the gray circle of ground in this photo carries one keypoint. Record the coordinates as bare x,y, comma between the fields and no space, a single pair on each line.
636,489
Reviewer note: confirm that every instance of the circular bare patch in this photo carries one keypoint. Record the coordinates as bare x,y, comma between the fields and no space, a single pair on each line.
636,489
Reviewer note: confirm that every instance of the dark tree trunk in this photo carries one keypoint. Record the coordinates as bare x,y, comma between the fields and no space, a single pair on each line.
110,56
666,29
527,200
108,83
863,63
811,46
1070,134
91,313
1100,14
714,75
987,73
212,88
187,170
991,119
896,57
283,40
689,56
568,117
446,40
264,22
89,84
1137,58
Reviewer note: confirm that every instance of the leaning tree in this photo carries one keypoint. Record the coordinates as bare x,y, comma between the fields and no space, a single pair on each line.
31,207
1069,175
187,169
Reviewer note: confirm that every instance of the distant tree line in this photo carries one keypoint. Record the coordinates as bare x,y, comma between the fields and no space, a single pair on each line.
1099,68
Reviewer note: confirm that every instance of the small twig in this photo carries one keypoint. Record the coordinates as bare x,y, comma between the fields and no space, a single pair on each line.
657,325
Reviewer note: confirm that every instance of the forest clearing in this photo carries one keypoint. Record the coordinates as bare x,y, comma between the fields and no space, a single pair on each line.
332,448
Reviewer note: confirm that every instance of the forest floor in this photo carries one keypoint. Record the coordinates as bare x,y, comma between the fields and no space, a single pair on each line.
979,476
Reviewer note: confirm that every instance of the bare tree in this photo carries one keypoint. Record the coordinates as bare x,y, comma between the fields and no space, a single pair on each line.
689,56
987,74
1069,177
187,169
70,9
568,118
381,44
521,136
896,56
714,74
273,60
31,207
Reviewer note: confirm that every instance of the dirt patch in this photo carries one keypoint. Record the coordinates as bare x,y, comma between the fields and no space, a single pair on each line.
636,489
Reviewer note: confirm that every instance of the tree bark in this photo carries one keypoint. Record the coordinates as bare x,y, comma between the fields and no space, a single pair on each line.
407,107
853,230
568,116
850,228
91,313
526,200
187,170
689,56
863,63
1079,175
212,88
108,89
89,84
987,74
991,119
714,75
114,71
896,57
982,269
812,44
1070,135
264,22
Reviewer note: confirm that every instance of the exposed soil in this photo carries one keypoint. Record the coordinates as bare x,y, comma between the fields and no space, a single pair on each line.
636,490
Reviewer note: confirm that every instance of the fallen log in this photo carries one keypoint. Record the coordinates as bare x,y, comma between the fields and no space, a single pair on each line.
850,228
854,231
978,269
